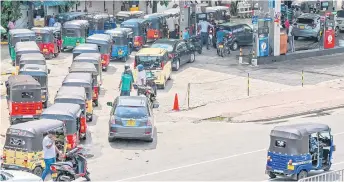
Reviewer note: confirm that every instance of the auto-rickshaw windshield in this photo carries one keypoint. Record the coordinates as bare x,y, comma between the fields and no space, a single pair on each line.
149,61
28,95
136,30
154,24
71,32
289,146
18,142
44,38
120,41
103,49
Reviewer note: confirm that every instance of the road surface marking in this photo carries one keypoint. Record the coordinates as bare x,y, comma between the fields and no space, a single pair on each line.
205,162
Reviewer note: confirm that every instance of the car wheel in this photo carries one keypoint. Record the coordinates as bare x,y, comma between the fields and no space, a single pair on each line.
336,31
110,139
235,46
176,68
38,171
192,58
318,38
272,175
303,174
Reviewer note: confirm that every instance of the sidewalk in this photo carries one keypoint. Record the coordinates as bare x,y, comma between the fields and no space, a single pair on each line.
299,101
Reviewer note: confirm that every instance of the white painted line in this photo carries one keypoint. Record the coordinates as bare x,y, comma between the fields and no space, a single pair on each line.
205,162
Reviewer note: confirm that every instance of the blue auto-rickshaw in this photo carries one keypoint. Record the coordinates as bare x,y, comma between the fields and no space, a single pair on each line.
99,23
297,149
122,43
139,28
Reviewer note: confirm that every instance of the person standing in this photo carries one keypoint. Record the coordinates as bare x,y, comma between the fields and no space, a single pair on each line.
49,152
141,75
204,31
126,83
186,34
287,25
291,39
10,25
51,21
171,27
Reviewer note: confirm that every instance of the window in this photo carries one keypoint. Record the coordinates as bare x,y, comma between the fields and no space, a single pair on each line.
247,28
24,40
181,46
280,143
17,141
27,95
131,112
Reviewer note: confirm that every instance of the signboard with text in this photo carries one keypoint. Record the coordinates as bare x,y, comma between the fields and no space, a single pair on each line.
329,39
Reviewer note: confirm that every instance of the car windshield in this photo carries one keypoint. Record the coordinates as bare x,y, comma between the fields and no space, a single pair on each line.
131,112
167,47
305,20
44,38
148,61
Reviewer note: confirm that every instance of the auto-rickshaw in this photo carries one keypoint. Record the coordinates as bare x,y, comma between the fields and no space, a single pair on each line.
34,58
74,33
122,43
98,23
18,35
39,73
85,48
80,67
24,48
93,58
69,16
85,81
70,114
156,25
172,12
220,14
23,149
24,98
126,15
47,40
139,28
74,95
104,43
297,149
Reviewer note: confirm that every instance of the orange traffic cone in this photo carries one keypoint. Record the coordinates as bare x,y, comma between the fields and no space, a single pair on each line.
176,103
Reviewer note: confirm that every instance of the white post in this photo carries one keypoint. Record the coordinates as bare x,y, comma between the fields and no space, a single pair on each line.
276,28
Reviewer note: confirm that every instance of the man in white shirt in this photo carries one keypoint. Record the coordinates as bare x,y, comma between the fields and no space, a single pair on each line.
141,76
49,152
291,38
171,26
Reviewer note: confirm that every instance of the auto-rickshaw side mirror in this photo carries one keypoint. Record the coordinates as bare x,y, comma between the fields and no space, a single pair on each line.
49,71
334,148
109,104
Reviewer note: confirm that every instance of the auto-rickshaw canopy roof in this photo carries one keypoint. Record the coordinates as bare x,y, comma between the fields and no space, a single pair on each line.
134,22
298,131
45,30
78,78
63,111
172,11
21,32
151,52
97,16
23,82
129,13
82,67
71,93
99,39
91,57
119,32
33,57
76,24
92,48
36,127
38,68
29,46
154,15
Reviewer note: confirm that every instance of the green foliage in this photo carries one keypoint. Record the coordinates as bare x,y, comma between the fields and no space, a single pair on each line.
164,3
68,6
10,10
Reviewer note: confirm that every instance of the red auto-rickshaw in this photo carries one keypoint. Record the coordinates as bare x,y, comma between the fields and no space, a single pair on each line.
139,27
48,40
74,95
157,22
104,42
24,98
71,115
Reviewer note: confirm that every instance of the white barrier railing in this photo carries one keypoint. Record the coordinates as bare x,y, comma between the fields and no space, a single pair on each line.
337,175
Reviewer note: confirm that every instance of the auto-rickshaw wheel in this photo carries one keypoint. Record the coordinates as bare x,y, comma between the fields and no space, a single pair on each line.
45,104
302,174
38,171
272,175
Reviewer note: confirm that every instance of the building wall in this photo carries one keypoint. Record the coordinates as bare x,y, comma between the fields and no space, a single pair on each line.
22,22
112,7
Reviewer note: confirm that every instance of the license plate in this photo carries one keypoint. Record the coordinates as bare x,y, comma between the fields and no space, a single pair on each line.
54,175
279,171
38,111
220,46
291,168
120,53
155,36
45,50
131,123
302,27
43,96
28,116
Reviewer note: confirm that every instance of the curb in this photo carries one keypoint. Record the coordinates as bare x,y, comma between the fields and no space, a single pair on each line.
4,43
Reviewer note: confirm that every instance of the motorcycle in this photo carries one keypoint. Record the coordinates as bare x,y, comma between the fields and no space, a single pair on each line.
150,91
74,167
210,38
196,43
223,48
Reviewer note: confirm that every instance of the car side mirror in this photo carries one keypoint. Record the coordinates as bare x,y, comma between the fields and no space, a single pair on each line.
334,148
109,104
155,105
48,71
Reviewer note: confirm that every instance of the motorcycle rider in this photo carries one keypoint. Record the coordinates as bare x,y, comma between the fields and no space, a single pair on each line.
141,75
127,67
220,37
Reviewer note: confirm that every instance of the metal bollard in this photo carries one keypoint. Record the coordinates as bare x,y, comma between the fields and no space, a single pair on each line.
240,56
254,61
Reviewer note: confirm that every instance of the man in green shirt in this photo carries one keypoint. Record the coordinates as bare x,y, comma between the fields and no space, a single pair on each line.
126,83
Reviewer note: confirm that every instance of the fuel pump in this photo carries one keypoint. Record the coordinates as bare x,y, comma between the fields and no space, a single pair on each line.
329,31
263,37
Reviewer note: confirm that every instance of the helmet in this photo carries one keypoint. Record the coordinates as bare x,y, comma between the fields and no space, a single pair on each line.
140,67
126,67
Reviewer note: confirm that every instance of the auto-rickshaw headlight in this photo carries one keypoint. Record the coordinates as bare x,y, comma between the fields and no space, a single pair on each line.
290,162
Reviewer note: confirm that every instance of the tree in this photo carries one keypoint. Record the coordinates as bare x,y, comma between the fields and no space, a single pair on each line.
164,3
66,7
10,10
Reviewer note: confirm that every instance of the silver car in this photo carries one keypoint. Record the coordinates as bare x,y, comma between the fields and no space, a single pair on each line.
14,175
307,25
131,117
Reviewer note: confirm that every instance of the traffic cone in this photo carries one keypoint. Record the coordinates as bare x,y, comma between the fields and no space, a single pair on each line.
176,103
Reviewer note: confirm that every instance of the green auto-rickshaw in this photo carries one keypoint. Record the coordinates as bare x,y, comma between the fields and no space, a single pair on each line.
18,35
74,33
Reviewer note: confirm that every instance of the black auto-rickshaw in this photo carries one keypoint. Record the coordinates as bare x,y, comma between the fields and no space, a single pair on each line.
219,14
126,15
24,98
85,81
34,58
139,27
104,43
79,67
97,23
74,95
156,25
18,35
47,40
23,149
39,73
85,48
70,114
74,33
24,48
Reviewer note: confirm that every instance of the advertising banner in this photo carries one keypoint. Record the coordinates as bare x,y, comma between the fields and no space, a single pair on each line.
263,46
329,39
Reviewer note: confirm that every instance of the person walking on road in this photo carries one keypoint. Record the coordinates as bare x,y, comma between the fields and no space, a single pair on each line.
204,32
126,83
141,75
291,39
49,152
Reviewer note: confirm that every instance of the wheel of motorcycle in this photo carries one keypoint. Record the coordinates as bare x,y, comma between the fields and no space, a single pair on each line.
192,58
199,51
221,52
87,177
38,171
